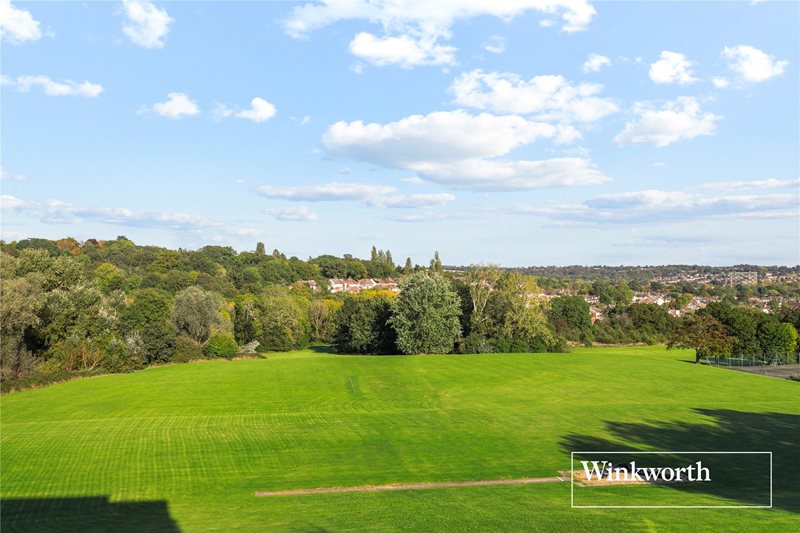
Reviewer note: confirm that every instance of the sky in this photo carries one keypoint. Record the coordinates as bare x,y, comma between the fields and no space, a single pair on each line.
518,132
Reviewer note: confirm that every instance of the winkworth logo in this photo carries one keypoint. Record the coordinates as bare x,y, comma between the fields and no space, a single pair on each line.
675,480
607,471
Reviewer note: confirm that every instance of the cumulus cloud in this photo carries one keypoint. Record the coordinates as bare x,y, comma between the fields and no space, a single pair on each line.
292,214
371,195
177,105
550,97
17,25
677,120
460,150
53,88
720,82
595,62
495,45
59,212
439,136
673,67
147,25
403,50
412,30
260,111
753,65
654,205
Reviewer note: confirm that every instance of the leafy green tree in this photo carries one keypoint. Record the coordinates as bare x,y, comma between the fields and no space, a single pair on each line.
362,324
147,325
247,318
480,281
778,341
284,326
426,315
570,317
322,319
519,313
110,277
706,335
21,300
195,312
221,345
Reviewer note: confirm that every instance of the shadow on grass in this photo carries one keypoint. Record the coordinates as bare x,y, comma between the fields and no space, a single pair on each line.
323,348
729,430
84,514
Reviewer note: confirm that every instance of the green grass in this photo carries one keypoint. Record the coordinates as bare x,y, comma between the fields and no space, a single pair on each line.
186,446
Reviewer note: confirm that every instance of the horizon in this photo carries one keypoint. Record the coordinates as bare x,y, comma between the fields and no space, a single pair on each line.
400,258
584,133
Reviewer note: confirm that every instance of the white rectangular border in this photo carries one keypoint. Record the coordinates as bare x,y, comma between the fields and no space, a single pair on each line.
572,485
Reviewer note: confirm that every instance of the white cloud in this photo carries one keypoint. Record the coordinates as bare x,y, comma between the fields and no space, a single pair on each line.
720,82
17,25
59,212
438,136
504,175
260,110
673,67
754,184
176,106
752,64
460,150
595,62
292,214
147,25
403,50
412,30
660,164
54,88
302,121
416,180
551,97
653,206
495,45
677,120
371,195
5,175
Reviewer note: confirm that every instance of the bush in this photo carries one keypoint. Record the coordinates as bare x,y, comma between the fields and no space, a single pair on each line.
222,345
186,350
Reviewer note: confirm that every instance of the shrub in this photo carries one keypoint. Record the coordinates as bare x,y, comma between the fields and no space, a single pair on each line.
186,350
222,345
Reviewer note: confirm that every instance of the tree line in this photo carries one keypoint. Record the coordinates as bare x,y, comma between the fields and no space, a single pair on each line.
115,306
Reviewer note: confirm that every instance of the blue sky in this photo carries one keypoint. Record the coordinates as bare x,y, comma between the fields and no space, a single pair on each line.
525,132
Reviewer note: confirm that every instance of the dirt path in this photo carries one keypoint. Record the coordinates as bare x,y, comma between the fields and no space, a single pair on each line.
413,486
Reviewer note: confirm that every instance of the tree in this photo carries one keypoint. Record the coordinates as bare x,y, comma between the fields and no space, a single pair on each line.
570,317
436,263
408,268
147,326
519,313
322,318
20,302
481,280
246,318
110,277
704,334
778,341
425,315
284,326
195,313
260,249
362,324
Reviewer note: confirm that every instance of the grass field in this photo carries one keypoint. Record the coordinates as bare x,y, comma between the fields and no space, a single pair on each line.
185,447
